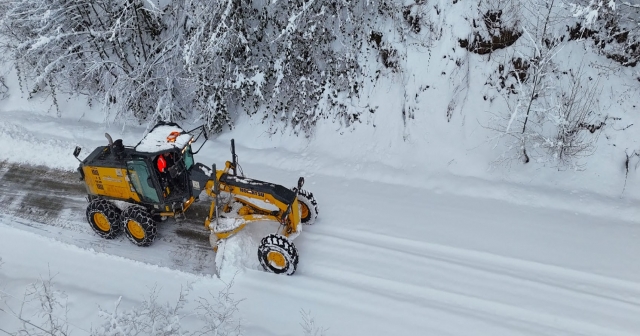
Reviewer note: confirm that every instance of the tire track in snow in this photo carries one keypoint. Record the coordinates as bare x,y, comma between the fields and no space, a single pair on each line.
496,284
587,283
472,306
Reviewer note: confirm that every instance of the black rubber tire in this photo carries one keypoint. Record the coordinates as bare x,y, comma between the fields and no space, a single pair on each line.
305,198
108,210
141,216
282,246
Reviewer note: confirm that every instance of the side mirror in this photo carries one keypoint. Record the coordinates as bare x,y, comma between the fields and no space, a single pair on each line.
300,182
76,152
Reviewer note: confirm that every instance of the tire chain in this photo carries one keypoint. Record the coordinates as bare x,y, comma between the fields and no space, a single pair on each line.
305,195
109,210
140,215
278,243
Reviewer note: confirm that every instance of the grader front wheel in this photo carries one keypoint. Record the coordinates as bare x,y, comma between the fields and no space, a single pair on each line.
308,206
278,255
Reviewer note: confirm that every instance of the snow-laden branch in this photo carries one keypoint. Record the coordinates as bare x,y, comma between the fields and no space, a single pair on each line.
628,4
291,26
292,62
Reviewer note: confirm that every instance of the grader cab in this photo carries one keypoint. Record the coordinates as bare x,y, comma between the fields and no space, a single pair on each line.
130,188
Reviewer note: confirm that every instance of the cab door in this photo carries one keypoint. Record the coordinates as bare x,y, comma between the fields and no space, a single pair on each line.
143,181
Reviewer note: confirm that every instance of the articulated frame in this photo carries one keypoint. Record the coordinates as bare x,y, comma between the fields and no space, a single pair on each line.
288,215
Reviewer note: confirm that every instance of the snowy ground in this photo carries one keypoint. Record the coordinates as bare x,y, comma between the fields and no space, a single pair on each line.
383,258
418,234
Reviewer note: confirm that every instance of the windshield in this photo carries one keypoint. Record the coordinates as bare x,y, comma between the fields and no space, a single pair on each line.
142,181
188,157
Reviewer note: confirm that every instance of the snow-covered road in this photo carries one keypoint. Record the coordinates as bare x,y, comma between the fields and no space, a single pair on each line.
382,259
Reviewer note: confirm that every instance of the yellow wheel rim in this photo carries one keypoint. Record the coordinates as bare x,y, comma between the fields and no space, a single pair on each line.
304,209
276,259
102,222
135,229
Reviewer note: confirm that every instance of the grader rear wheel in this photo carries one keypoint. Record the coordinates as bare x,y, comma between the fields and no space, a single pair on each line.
104,218
278,255
139,225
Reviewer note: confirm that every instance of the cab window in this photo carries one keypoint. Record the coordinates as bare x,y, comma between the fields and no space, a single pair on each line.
142,180
188,157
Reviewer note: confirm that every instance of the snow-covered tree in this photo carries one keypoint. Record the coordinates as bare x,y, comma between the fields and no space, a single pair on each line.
4,89
294,62
285,56
290,62
42,310
553,114
151,317
309,326
613,25
107,48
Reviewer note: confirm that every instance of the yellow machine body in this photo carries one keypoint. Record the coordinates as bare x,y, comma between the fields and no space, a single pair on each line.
251,212
110,182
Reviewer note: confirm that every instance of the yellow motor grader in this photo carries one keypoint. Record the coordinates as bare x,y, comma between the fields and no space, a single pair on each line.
131,188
